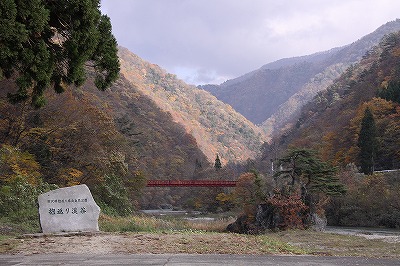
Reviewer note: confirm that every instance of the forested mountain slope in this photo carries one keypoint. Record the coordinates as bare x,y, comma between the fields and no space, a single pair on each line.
111,140
148,125
83,134
273,94
217,128
331,122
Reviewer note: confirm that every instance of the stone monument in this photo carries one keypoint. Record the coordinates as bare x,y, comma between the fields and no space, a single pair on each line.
69,209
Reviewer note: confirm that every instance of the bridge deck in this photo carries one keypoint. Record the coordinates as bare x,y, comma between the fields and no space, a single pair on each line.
191,183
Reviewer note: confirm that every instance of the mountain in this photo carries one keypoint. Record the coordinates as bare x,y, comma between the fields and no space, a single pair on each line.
272,95
148,125
363,103
330,123
216,127
118,131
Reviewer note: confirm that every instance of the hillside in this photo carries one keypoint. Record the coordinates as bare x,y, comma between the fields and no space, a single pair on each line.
84,135
217,128
148,125
331,122
160,147
273,94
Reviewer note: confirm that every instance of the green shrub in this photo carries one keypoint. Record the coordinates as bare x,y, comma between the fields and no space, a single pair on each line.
112,196
19,201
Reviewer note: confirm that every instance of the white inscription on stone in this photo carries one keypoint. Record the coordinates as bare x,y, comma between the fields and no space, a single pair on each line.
69,209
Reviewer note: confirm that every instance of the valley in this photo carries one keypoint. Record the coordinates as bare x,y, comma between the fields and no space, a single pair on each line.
308,132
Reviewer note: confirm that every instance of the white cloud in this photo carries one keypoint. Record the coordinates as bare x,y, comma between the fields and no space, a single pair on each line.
211,40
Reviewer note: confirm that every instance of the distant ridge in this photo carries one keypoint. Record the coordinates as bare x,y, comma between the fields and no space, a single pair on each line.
331,122
273,94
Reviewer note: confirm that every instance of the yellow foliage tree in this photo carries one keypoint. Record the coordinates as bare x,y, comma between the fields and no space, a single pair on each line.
246,192
70,176
14,163
224,198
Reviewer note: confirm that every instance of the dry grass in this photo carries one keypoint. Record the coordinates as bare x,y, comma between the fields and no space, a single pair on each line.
144,223
7,244
143,234
156,243
338,245
200,242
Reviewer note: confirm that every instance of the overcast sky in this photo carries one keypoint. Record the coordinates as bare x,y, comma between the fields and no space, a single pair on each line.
210,41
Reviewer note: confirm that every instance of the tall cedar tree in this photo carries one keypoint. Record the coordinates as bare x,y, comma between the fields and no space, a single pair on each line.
217,164
48,43
367,142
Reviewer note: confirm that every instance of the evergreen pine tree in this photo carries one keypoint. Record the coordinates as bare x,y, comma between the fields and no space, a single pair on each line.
313,176
303,167
367,142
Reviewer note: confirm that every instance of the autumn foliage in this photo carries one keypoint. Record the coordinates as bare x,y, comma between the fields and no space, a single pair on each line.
290,210
331,122
372,200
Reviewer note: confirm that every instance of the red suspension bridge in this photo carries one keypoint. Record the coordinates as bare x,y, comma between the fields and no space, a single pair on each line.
191,183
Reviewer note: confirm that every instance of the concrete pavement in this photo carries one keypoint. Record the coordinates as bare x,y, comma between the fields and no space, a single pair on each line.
186,259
